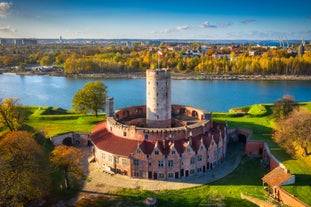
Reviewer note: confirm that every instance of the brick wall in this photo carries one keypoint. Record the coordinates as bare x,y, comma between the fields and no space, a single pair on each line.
288,199
254,148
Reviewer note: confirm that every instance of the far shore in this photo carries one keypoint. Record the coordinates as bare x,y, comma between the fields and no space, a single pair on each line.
174,76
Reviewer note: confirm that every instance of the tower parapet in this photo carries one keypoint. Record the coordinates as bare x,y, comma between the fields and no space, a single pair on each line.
109,108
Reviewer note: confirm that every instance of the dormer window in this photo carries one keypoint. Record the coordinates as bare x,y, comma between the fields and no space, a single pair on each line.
156,152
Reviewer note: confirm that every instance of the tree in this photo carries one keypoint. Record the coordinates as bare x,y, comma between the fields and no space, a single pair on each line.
67,159
23,170
10,115
283,107
294,131
91,97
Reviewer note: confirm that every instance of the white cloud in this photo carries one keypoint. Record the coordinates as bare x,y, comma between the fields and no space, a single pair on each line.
185,27
4,7
166,31
206,24
7,31
225,24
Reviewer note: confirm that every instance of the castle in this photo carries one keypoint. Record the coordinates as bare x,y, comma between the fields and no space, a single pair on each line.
158,140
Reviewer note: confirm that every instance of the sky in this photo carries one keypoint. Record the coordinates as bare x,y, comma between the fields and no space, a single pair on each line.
157,19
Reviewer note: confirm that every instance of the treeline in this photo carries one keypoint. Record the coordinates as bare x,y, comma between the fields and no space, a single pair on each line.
76,59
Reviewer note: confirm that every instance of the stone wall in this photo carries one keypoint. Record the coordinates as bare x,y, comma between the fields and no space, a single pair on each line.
70,138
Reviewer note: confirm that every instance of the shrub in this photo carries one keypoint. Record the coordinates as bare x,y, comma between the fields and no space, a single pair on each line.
257,110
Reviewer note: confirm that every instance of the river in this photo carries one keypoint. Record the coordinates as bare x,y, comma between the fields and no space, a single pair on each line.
211,95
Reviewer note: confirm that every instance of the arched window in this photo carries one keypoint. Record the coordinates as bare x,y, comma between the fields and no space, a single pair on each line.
194,114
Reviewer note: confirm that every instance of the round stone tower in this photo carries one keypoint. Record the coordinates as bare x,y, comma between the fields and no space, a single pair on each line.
158,98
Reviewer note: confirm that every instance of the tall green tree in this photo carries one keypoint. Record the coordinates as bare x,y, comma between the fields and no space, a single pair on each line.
283,107
91,97
11,115
67,159
23,170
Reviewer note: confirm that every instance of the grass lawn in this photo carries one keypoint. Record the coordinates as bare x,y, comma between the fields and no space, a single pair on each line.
245,179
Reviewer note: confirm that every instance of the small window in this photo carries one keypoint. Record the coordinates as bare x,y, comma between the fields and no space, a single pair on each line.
173,152
160,163
161,175
124,134
110,158
123,161
136,162
199,158
146,136
192,160
156,152
137,151
170,175
136,174
170,163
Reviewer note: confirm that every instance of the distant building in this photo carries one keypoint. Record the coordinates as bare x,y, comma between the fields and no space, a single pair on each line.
18,41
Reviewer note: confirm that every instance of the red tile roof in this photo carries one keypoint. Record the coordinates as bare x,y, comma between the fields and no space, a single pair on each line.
165,147
196,142
147,147
180,145
108,142
276,177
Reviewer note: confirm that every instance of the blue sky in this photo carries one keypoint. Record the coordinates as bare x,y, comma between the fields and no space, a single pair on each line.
157,19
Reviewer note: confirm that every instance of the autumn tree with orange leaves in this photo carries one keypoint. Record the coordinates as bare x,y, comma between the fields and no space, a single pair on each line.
293,133
23,170
68,160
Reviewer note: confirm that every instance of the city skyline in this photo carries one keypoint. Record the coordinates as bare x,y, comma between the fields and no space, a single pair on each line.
250,20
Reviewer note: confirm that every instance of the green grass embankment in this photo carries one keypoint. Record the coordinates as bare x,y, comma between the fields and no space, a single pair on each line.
53,121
